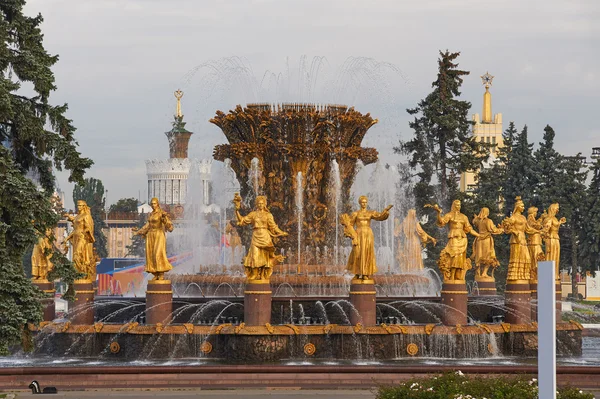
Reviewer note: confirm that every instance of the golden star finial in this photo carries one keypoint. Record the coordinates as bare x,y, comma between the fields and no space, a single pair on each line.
487,79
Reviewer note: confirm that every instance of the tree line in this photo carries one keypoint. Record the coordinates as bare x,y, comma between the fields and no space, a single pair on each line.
443,147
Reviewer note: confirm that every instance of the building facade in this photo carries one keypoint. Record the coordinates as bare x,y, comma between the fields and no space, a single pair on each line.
488,129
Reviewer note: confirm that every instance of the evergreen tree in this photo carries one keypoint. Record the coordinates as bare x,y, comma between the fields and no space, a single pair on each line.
590,233
92,192
34,136
572,198
443,146
520,172
138,243
547,162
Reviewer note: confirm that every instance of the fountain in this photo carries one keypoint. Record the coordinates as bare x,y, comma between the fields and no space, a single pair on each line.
302,159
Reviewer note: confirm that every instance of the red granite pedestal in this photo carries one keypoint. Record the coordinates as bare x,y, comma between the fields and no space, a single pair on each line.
517,299
159,301
81,311
534,304
48,303
486,286
454,296
257,303
362,297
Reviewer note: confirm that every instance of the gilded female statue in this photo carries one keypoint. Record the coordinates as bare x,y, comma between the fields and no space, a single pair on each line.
357,226
519,263
40,257
552,240
534,240
484,253
154,231
259,262
453,262
414,238
233,238
82,241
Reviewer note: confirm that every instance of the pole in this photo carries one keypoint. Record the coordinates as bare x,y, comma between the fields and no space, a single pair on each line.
546,331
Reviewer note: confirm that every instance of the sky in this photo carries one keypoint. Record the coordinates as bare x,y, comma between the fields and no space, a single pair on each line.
120,62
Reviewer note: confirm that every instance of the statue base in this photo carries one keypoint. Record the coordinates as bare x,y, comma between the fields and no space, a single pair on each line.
362,297
517,299
558,297
454,296
82,309
486,286
534,302
48,303
257,303
159,301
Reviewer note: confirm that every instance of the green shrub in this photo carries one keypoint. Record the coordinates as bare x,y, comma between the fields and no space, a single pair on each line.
458,386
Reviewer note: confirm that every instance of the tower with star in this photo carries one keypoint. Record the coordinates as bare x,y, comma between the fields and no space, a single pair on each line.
487,128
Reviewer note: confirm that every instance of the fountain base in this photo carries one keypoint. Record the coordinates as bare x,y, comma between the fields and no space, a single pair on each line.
247,344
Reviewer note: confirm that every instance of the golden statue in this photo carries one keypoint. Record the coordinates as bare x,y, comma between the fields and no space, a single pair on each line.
361,261
156,240
82,241
519,263
178,95
453,262
484,254
259,262
534,241
40,258
552,240
411,245
233,238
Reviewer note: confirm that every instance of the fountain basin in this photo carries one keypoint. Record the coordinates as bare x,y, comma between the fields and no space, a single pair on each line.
268,343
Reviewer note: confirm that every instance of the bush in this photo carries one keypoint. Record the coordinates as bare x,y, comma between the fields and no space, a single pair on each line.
458,386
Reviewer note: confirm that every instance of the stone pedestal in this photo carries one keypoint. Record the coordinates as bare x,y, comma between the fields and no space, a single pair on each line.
534,303
159,301
486,286
517,300
82,310
48,303
558,288
257,303
362,297
454,296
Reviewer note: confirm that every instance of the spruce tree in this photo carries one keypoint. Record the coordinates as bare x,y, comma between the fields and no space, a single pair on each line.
590,233
443,146
520,174
34,137
92,192
547,162
572,198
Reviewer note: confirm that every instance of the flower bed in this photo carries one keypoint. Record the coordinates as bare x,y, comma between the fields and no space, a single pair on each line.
459,386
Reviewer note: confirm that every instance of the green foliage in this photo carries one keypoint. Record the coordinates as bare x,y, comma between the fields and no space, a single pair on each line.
442,146
590,232
547,162
520,172
34,136
125,205
458,386
92,192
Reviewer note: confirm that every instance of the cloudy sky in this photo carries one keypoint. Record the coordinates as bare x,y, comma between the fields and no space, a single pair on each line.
121,60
